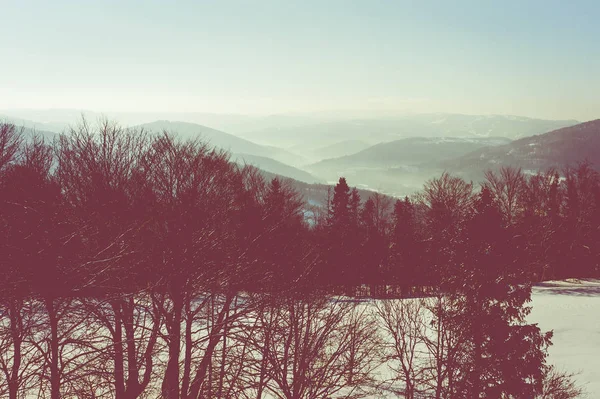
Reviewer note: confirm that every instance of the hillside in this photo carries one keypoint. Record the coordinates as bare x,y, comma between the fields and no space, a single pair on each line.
558,148
346,147
31,128
223,140
411,151
316,194
30,132
399,167
46,126
273,166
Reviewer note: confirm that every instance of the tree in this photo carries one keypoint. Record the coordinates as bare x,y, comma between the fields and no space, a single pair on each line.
340,206
104,179
342,241
11,140
581,223
538,224
284,239
448,202
406,246
317,347
506,188
559,385
354,207
404,323
503,355
19,223
374,245
42,253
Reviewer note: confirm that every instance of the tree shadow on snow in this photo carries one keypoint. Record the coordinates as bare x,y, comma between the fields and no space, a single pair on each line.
582,288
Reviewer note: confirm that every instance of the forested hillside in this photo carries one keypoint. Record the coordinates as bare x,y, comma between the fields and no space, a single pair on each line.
555,149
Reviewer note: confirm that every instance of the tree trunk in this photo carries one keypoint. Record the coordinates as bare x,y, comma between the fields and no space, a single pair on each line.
54,343
118,371
215,337
16,331
133,388
170,384
187,362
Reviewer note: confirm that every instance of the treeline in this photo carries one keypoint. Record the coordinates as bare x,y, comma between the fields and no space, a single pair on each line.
135,265
550,223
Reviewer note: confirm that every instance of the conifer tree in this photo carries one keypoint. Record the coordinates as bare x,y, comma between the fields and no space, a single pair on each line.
340,206
354,207
284,237
340,250
405,253
503,355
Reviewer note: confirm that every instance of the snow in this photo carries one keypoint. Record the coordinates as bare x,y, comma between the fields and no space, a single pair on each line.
571,309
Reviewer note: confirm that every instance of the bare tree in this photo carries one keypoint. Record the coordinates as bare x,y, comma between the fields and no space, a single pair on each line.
559,385
17,358
422,348
104,181
317,348
444,347
11,140
403,321
507,190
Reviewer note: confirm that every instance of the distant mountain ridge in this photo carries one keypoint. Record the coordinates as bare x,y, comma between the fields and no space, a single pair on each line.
339,149
275,167
558,148
418,125
54,127
223,140
410,151
401,166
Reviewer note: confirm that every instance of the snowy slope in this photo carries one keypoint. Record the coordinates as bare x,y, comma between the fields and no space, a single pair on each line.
572,309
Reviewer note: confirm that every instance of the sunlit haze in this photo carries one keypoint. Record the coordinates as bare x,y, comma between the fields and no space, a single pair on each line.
534,58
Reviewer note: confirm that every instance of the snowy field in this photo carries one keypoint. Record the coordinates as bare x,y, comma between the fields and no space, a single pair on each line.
572,309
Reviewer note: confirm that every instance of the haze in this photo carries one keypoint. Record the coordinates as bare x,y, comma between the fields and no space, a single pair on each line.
359,58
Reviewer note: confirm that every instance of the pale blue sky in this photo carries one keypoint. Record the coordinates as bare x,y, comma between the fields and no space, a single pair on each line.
537,58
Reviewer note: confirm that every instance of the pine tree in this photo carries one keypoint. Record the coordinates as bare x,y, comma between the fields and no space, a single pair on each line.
503,355
283,239
354,207
340,206
340,247
373,249
405,269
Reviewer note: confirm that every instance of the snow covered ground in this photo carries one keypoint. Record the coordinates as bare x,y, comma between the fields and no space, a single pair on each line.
572,309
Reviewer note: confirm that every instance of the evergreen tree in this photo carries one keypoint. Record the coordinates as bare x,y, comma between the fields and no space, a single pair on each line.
284,236
354,207
405,269
341,244
503,355
580,220
367,217
340,206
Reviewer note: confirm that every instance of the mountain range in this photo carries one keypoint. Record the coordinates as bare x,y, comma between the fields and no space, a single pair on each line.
556,149
392,155
410,151
276,167
225,141
420,125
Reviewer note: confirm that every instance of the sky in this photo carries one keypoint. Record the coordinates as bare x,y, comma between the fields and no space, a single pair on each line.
537,58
